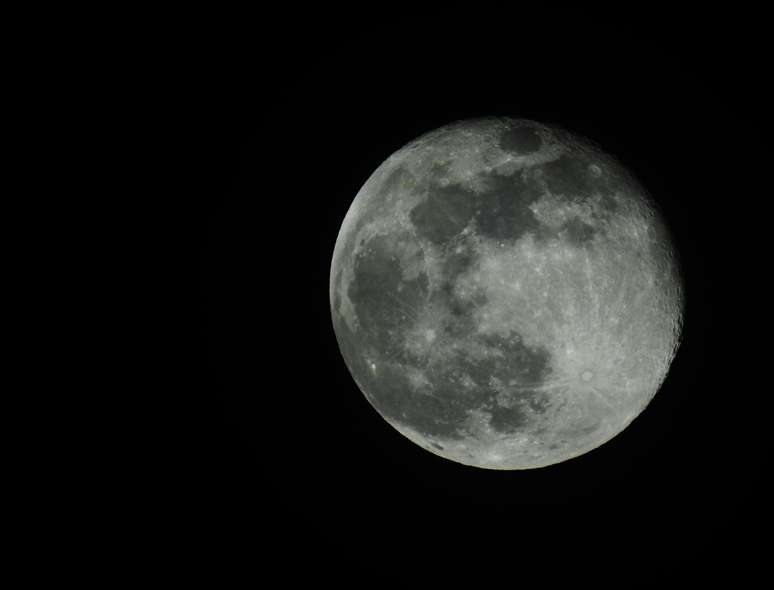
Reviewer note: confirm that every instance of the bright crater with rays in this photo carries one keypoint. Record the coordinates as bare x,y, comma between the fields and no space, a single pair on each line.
505,294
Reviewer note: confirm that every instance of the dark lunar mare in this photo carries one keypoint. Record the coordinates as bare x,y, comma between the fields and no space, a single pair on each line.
520,139
384,310
504,208
571,176
576,232
501,211
444,213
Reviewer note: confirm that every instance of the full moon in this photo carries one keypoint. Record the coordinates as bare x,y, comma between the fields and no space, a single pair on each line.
505,294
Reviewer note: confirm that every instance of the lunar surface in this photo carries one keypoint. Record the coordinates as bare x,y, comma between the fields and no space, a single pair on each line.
505,294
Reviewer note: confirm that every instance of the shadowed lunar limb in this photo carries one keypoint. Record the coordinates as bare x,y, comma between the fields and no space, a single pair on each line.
505,294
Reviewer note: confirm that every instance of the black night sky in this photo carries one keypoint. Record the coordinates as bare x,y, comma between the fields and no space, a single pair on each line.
293,467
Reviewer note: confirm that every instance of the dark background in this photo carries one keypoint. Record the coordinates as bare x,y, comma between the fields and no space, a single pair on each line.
293,468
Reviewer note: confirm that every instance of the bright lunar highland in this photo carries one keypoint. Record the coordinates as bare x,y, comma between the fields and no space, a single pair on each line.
505,294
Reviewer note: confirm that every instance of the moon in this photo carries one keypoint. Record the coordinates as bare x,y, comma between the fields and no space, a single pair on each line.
505,294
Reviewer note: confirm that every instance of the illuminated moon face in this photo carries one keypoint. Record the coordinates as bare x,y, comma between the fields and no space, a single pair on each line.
504,294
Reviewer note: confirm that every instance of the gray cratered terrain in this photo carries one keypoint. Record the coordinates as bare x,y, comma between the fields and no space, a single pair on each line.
505,294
